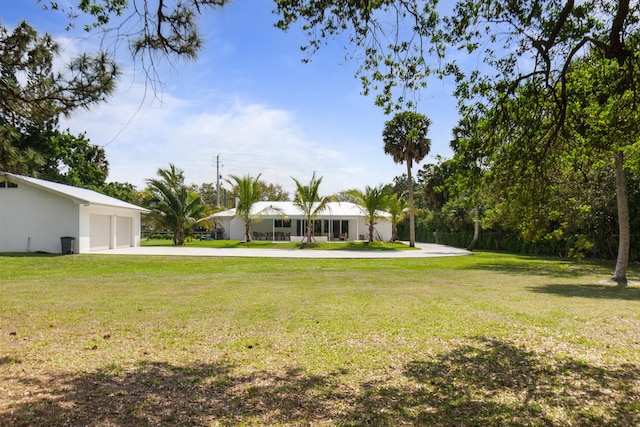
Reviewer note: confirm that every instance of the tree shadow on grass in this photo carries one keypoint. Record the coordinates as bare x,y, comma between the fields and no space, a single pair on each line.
483,382
598,291
552,268
29,255
157,393
493,382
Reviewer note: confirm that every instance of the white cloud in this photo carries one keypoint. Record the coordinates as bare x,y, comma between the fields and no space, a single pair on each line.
250,138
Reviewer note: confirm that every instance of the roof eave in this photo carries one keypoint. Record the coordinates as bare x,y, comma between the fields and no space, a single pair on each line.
75,200
130,207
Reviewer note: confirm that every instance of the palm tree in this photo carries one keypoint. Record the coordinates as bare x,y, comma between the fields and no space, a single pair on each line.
405,139
309,201
374,200
398,208
248,192
173,205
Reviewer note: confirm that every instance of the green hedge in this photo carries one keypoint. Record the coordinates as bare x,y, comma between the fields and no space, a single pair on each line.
604,247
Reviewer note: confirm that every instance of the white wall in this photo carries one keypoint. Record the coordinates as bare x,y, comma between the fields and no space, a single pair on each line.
34,220
383,227
226,226
236,229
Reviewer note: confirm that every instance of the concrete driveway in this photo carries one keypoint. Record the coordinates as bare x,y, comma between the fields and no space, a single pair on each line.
426,250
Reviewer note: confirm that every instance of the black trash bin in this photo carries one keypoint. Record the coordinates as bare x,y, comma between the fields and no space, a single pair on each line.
67,245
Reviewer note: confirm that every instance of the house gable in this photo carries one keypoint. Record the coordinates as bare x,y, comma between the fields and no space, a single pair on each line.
32,219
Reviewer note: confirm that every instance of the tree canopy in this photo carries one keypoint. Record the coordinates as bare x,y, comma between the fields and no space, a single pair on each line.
398,208
248,192
529,52
373,200
33,91
173,205
405,140
34,94
308,199
148,28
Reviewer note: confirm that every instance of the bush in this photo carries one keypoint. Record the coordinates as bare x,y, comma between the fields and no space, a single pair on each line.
308,245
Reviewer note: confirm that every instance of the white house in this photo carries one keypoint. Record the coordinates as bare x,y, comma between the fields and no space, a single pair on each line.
35,215
285,221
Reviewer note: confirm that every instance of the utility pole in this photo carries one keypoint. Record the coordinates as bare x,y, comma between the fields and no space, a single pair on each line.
218,180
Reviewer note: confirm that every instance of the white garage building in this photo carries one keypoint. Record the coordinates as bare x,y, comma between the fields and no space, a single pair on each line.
35,215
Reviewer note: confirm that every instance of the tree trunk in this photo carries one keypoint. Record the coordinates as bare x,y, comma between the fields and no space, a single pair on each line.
247,231
624,239
476,228
412,215
370,232
309,231
178,238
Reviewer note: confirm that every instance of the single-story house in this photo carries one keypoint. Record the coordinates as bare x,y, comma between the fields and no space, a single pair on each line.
285,221
35,215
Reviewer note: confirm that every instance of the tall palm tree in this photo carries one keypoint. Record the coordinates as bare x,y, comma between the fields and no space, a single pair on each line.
309,201
374,200
173,205
248,191
405,139
398,208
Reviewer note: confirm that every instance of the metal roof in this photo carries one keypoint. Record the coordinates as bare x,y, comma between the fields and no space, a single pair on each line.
80,196
290,210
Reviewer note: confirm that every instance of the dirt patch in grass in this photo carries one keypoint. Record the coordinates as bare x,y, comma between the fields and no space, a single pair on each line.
484,381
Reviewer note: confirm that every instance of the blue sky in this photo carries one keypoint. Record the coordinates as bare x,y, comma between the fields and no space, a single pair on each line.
250,100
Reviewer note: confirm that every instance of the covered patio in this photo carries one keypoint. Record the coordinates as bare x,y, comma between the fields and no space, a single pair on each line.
283,221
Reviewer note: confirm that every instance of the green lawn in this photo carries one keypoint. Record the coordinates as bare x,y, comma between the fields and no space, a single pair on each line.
330,246
482,340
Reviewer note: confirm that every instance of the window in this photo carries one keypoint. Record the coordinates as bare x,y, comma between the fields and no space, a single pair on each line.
7,184
282,223
340,227
316,230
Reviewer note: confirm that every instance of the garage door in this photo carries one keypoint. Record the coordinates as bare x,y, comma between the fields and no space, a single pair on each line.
100,232
123,232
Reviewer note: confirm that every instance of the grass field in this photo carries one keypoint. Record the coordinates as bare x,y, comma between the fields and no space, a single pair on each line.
264,244
483,340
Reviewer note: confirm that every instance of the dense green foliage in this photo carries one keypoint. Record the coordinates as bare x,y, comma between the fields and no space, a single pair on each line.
273,192
123,191
33,94
531,56
583,205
